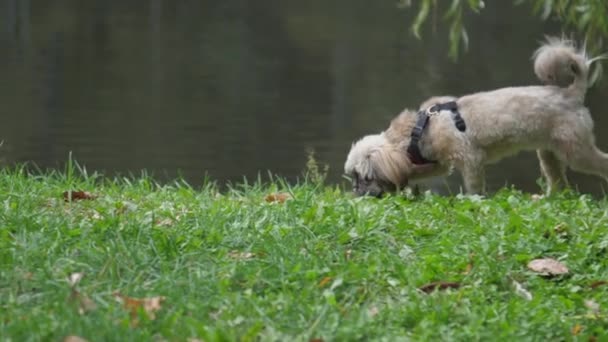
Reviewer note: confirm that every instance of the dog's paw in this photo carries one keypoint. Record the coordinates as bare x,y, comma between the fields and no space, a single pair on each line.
537,197
471,197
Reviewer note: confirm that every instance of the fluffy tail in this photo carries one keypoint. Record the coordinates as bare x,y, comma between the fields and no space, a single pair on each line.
560,63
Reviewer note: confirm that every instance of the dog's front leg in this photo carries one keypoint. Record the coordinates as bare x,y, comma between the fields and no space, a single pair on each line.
473,175
554,171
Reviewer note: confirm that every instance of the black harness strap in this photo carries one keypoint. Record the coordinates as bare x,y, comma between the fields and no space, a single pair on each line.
423,119
452,107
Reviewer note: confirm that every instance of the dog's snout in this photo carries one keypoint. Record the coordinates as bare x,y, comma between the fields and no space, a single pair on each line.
369,192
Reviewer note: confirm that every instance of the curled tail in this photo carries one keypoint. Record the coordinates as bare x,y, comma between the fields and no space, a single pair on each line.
560,63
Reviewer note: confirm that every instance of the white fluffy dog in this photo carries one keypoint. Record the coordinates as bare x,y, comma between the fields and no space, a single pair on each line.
550,119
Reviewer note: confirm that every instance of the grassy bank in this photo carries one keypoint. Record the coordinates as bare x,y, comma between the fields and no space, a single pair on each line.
240,264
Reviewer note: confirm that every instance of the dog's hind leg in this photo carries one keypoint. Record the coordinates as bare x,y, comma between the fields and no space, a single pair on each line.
589,159
553,169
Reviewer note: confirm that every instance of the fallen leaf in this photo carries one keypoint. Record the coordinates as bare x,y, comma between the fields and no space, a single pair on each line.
85,304
72,195
576,329
241,255
592,306
324,281
560,230
149,305
96,215
166,222
278,197
521,290
336,283
348,254
74,338
598,283
501,257
547,267
216,314
373,311
75,278
469,267
438,285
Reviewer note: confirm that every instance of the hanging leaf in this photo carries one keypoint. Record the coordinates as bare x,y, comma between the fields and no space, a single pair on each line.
423,13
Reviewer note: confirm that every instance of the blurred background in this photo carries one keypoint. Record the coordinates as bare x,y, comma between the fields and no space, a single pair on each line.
237,88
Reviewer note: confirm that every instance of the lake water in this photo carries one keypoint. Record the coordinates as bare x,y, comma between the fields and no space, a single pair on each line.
234,88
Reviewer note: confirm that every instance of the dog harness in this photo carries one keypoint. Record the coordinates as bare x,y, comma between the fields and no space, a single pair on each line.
423,119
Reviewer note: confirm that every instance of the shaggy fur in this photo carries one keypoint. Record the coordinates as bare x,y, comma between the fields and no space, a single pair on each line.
550,119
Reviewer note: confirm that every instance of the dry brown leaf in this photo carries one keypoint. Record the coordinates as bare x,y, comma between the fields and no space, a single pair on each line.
74,338
278,197
576,329
85,304
548,267
438,285
324,281
598,283
241,255
77,195
149,305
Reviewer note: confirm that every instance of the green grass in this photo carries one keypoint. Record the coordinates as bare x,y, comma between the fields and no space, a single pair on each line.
326,266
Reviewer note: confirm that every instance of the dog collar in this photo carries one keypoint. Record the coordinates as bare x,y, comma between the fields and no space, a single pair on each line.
424,115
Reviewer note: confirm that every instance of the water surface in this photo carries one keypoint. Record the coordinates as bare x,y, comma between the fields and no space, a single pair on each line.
234,88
